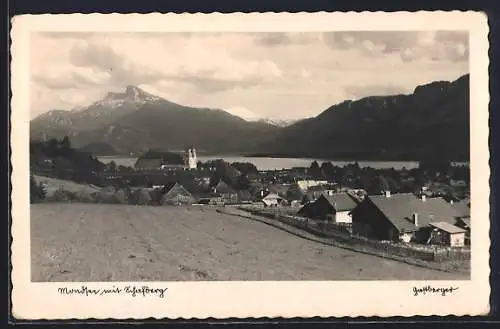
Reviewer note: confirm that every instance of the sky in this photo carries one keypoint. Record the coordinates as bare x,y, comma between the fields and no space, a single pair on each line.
253,75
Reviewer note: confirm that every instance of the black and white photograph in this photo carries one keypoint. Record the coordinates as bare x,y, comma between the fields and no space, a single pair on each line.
215,156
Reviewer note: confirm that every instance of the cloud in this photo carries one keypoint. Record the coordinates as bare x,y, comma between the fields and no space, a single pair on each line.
268,74
409,45
68,77
190,64
273,39
67,35
357,92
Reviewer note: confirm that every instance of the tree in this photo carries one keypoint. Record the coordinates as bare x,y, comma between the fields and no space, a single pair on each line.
65,144
328,170
315,170
242,183
435,165
245,167
378,185
51,148
111,167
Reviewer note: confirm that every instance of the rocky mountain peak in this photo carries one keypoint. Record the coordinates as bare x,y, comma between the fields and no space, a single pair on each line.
134,93
131,94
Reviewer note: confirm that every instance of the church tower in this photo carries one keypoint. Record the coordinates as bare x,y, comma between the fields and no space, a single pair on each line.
192,162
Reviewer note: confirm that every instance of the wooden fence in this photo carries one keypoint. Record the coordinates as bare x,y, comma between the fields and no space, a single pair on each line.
329,230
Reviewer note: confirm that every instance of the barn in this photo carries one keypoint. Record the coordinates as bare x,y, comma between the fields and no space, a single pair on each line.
333,207
447,234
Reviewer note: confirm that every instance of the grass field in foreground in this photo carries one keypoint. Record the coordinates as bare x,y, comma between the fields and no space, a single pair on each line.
92,242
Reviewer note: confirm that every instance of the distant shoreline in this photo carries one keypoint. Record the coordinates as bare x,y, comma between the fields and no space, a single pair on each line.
291,156
341,158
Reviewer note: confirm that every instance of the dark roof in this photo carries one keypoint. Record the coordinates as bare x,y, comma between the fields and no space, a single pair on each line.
399,209
148,163
313,195
167,187
279,189
171,158
318,188
341,201
306,209
466,220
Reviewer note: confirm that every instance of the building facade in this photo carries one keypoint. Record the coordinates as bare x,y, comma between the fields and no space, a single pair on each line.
190,159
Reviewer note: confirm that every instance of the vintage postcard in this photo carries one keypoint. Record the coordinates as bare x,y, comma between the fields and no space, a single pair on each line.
250,165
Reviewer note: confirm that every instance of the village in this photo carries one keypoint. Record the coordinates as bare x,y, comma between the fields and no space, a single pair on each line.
426,212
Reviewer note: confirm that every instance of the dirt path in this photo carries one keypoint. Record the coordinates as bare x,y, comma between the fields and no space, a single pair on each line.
88,242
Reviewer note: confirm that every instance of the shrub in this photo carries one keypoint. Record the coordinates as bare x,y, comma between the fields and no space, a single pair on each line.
140,197
37,191
62,195
85,196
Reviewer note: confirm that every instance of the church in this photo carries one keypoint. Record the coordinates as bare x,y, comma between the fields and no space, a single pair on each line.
153,160
190,160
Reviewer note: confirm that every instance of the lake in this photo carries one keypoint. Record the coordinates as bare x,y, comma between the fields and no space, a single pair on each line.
264,163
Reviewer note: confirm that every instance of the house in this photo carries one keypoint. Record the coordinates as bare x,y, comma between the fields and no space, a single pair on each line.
313,193
402,217
306,184
273,200
333,207
444,233
175,194
228,193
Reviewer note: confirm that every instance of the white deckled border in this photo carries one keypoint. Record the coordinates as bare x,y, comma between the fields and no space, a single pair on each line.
253,299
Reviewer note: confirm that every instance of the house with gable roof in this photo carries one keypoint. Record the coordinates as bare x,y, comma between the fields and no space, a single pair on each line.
401,217
174,193
273,200
332,207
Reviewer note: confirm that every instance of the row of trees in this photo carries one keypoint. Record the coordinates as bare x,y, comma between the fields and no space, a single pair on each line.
59,159
376,180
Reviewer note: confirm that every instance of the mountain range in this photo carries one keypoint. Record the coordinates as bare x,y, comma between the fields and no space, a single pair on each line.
433,120
135,121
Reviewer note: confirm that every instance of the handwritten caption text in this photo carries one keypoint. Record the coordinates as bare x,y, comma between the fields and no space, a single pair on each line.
134,291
